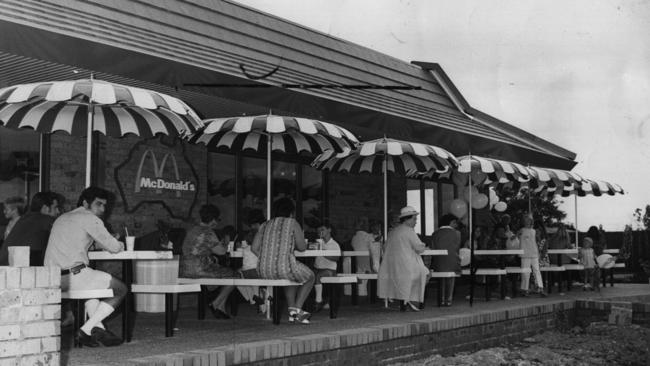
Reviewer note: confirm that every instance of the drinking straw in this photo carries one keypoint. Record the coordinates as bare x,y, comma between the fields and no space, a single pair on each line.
126,231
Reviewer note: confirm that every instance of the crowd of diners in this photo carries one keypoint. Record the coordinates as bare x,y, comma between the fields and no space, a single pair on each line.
64,239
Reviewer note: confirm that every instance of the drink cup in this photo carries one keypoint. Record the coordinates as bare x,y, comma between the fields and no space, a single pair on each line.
231,246
130,243
18,256
320,243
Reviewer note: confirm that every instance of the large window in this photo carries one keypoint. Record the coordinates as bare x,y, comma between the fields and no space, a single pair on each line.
312,201
222,181
422,196
19,165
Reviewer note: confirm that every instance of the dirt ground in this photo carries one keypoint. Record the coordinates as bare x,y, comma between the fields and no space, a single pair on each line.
597,344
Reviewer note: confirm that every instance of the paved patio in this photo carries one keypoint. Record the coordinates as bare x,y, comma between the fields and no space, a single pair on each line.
248,326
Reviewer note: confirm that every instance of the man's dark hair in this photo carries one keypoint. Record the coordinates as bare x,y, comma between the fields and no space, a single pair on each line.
283,207
208,213
447,219
256,216
41,199
91,193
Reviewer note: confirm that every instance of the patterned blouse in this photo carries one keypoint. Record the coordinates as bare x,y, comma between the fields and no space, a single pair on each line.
276,241
197,260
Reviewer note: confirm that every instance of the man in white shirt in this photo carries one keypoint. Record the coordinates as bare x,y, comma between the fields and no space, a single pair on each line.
72,235
325,266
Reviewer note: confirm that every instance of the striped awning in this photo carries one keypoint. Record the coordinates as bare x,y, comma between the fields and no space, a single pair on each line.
401,157
117,109
588,187
288,134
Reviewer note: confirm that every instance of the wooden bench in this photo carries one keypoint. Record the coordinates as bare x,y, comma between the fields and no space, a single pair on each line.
335,286
169,291
548,277
273,287
79,309
498,272
439,276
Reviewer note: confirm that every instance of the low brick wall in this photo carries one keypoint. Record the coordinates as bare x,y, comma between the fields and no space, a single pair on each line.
30,313
387,343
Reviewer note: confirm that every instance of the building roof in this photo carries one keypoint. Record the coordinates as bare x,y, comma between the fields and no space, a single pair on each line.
225,59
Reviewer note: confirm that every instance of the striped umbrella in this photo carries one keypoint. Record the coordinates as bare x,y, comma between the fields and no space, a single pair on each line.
79,107
383,155
291,135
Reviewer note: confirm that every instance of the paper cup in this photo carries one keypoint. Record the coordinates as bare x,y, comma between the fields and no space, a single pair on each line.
130,243
18,256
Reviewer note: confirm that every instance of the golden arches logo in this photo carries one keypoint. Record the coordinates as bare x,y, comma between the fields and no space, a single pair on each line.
158,182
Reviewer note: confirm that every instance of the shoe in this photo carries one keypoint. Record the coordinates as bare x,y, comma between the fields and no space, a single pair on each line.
261,309
86,340
293,314
523,293
105,337
257,300
542,293
220,314
326,306
413,306
68,321
318,306
302,317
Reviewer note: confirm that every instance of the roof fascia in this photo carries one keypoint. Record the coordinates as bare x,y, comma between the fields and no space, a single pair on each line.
464,107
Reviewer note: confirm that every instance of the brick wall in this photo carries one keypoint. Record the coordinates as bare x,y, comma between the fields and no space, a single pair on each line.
67,176
30,313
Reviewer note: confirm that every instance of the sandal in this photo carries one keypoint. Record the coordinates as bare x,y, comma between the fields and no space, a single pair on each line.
303,317
293,314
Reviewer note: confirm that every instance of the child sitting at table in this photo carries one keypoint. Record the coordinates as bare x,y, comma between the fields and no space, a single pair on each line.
325,266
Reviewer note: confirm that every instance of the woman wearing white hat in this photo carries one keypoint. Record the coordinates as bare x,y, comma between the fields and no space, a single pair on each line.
402,273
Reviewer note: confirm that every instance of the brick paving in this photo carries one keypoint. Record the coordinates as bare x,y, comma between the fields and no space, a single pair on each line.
250,336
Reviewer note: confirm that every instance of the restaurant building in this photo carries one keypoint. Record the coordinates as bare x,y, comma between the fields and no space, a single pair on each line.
225,59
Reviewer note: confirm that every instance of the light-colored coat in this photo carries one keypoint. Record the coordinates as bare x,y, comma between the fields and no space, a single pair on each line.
402,273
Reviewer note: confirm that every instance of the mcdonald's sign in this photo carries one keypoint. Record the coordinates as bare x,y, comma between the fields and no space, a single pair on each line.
158,171
158,182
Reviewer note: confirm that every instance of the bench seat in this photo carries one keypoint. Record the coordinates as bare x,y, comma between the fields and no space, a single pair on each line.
273,287
79,310
168,291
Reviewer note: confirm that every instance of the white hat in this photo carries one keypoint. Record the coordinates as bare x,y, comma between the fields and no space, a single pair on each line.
407,211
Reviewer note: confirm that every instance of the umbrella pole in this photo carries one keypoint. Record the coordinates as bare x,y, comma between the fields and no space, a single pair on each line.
269,144
472,269
575,202
385,175
89,141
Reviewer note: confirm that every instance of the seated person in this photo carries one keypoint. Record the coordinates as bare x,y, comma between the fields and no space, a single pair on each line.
72,235
197,259
325,266
33,228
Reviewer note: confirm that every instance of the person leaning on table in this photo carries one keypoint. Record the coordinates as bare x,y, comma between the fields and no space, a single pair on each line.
402,273
72,235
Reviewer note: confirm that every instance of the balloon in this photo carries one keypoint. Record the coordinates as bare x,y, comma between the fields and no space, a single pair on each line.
479,201
493,198
467,190
500,206
458,207
477,176
459,179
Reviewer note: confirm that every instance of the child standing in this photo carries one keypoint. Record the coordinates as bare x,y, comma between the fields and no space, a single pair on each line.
325,266
530,258
588,260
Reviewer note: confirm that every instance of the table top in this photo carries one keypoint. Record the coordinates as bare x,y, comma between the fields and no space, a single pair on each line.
563,251
365,253
306,253
130,254
498,252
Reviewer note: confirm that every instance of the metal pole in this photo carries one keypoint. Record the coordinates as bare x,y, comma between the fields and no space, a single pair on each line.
575,197
89,142
472,270
269,144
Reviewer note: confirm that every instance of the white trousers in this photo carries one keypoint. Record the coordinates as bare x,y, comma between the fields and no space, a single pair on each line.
533,264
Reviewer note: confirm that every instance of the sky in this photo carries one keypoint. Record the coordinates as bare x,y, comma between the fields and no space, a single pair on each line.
573,72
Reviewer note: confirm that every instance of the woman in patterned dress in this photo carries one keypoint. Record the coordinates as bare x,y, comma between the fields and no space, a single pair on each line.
197,261
274,244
